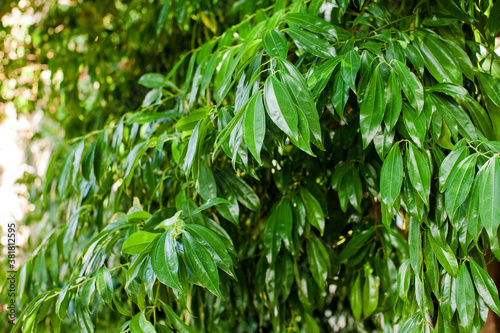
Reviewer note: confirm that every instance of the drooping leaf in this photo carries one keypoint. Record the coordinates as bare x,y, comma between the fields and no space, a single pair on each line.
372,108
165,261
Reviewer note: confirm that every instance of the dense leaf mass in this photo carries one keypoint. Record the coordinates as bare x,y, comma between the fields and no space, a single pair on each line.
299,166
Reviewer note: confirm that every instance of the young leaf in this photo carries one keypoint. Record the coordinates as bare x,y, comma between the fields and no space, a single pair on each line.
355,298
138,241
139,324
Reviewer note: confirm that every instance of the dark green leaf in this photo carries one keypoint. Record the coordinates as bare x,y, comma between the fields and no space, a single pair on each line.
165,261
275,43
311,43
372,108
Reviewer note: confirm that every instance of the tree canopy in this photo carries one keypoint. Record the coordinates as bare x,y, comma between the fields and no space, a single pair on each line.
302,166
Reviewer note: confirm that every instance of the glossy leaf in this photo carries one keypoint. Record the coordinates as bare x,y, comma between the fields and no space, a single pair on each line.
314,212
138,241
465,298
411,86
391,176
275,43
372,108
489,193
350,65
312,43
254,125
201,263
485,286
419,172
139,324
165,261
280,108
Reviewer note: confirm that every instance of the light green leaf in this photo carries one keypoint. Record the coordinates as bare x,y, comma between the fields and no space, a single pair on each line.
139,324
355,298
370,293
138,241
450,164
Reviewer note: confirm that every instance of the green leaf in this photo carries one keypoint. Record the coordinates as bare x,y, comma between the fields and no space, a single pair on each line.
176,321
244,192
444,254
314,213
210,203
285,222
465,298
317,25
165,261
412,87
304,103
271,237
152,80
319,261
355,298
489,192
404,280
65,177
450,164
350,64
280,108
391,176
139,324
357,241
207,187
393,101
494,19
275,43
104,284
352,183
419,172
485,286
370,293
460,185
189,122
438,61
138,241
254,125
415,245
214,245
132,160
63,301
372,108
312,43
201,263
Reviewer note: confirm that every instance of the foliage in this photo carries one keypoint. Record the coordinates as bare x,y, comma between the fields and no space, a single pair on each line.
314,164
